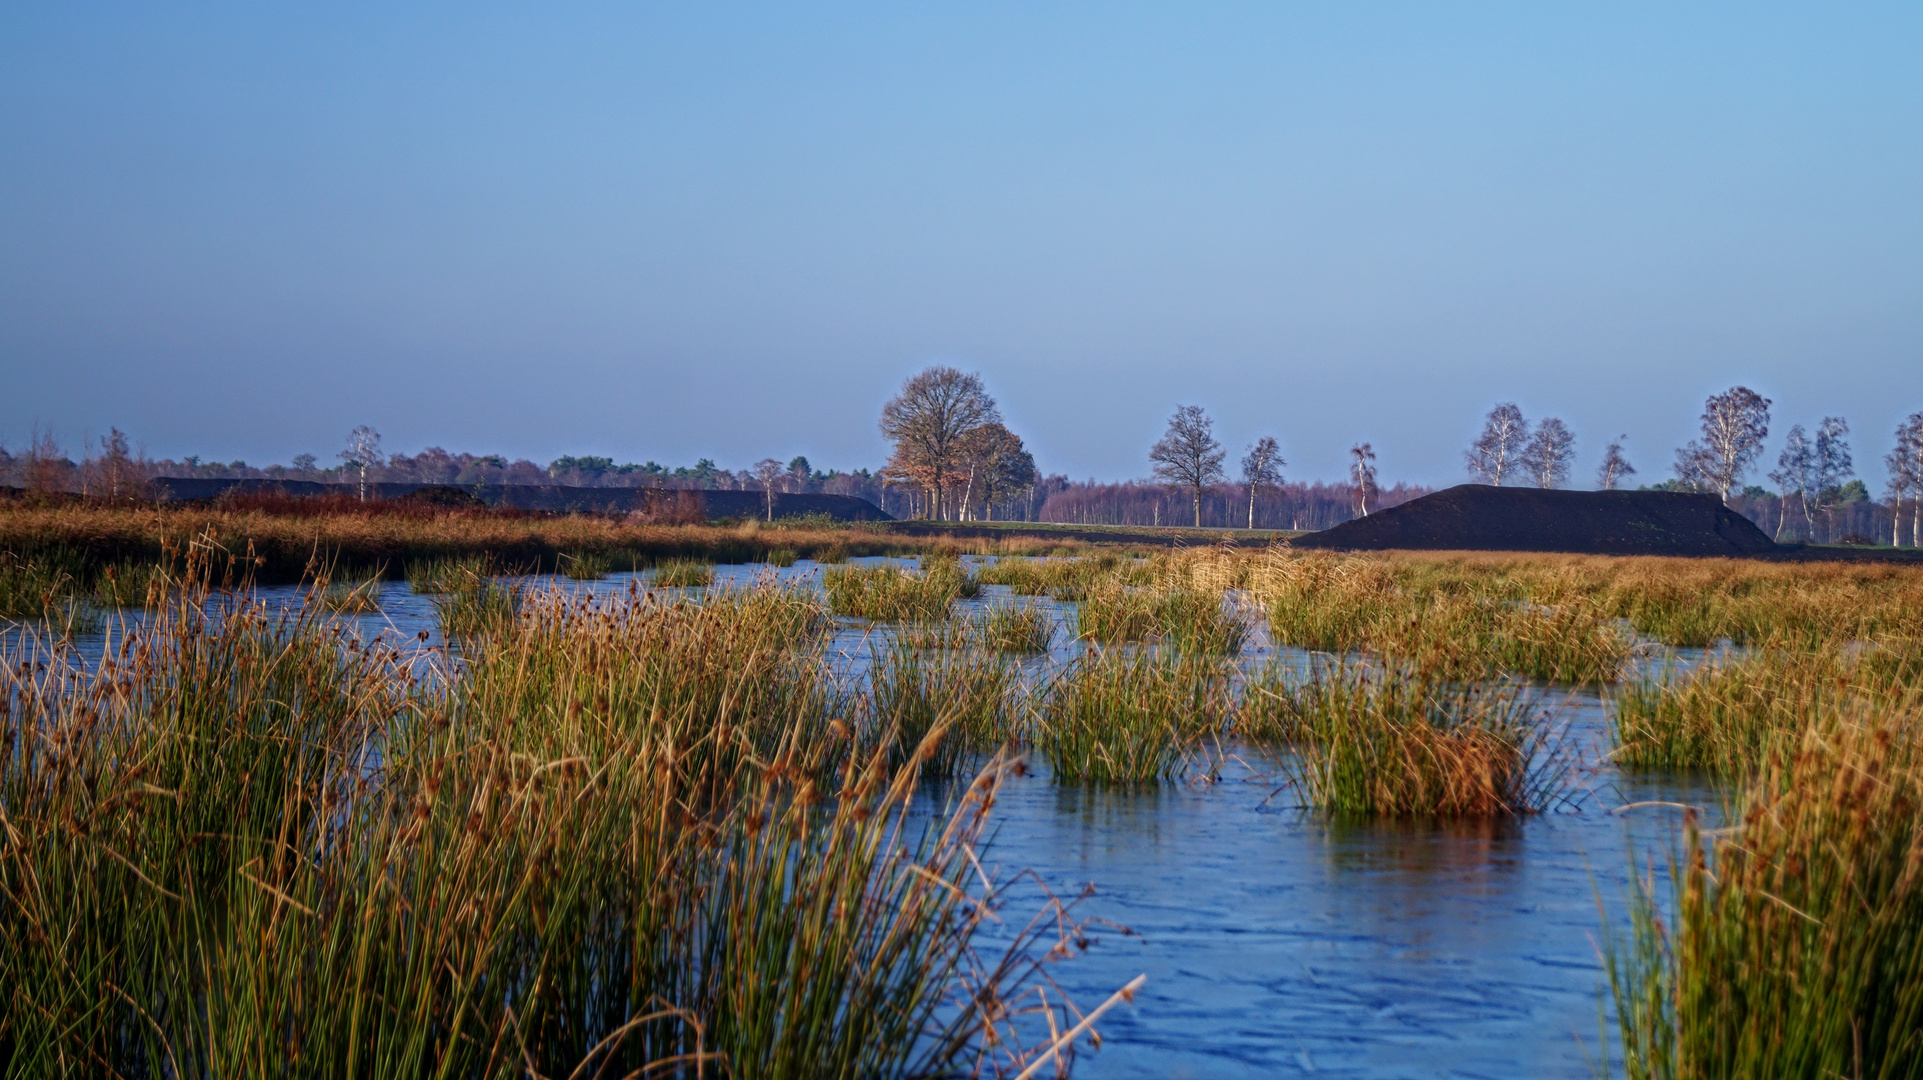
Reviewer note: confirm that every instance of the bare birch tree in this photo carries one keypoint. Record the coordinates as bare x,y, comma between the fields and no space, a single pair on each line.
1495,452
1549,452
363,453
1795,474
1188,456
1614,465
1834,467
769,473
1362,475
1735,423
927,422
1261,467
1905,462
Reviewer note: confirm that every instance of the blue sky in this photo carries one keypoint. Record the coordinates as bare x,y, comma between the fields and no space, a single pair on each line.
729,231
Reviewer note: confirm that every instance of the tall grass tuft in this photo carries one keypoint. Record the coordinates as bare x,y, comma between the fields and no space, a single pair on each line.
888,593
1369,745
586,565
1731,713
353,596
683,574
1116,717
485,609
1792,947
940,709
1194,622
447,575
625,838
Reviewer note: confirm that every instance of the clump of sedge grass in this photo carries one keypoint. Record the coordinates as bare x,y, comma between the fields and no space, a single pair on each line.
683,574
447,575
888,593
586,565
487,608
939,709
1194,622
1008,628
782,556
131,584
1791,948
1389,745
1115,717
348,597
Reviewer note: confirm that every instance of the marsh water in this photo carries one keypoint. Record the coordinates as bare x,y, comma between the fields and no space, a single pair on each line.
1274,941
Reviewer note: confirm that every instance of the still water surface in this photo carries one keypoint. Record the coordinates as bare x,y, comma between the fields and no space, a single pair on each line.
1276,943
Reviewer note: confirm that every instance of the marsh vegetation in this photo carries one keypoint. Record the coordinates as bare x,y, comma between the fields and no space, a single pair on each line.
660,820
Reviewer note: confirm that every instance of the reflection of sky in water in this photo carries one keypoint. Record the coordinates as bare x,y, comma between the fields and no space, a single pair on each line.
1277,943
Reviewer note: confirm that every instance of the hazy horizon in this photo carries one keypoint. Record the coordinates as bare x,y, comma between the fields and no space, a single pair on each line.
731,233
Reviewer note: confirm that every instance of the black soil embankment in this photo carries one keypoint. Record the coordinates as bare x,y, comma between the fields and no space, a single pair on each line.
1476,517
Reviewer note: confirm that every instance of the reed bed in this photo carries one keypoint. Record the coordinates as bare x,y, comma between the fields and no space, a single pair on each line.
449,575
349,597
783,556
1731,713
586,565
1369,744
683,574
1191,621
942,709
284,536
628,837
1788,945
1000,628
1117,717
1066,578
1444,626
890,593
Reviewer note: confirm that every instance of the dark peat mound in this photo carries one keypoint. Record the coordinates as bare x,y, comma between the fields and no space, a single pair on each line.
1477,517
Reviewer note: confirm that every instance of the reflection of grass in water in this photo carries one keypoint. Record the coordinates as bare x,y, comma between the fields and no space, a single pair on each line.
651,808
1791,947
1115,717
683,574
1359,744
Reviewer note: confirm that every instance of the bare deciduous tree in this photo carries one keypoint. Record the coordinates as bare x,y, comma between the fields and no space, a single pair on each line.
1614,465
1549,452
1795,474
363,453
1261,467
927,422
1495,452
1362,475
1188,456
1834,467
116,473
1906,474
997,465
1735,423
769,474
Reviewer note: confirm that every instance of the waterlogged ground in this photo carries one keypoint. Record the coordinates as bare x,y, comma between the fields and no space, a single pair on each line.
1276,943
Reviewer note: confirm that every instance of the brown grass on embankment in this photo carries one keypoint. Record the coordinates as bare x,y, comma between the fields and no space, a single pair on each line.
287,543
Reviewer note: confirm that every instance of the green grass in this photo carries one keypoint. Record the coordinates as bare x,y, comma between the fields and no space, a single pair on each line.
586,565
485,609
1118,717
889,593
683,574
349,597
782,556
447,575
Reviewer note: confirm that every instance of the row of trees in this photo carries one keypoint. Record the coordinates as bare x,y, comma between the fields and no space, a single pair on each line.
1815,473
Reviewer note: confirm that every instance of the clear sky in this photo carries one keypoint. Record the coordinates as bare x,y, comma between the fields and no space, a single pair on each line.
729,230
